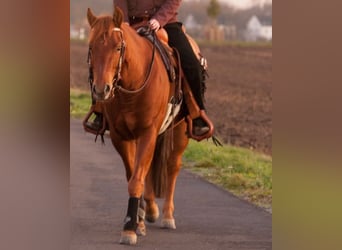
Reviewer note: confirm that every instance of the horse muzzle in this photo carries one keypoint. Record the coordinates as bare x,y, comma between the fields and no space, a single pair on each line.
101,93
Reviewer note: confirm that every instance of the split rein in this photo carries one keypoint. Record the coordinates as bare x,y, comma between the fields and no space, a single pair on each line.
117,76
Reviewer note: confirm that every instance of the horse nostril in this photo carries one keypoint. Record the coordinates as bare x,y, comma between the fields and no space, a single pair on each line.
107,88
94,89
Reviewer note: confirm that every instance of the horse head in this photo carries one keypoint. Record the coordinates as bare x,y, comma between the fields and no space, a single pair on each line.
106,52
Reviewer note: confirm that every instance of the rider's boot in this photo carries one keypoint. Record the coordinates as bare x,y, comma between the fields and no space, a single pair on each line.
200,127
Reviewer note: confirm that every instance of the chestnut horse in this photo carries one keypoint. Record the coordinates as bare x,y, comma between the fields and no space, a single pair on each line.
131,82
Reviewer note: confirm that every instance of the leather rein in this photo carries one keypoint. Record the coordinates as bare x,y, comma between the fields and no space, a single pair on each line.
117,76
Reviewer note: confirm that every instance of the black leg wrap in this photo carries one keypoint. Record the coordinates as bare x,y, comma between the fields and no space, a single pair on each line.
132,220
141,210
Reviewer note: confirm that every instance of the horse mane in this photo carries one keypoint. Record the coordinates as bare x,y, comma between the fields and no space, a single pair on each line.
136,45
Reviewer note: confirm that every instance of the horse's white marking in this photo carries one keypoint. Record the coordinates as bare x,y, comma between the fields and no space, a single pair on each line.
169,116
128,239
168,223
117,29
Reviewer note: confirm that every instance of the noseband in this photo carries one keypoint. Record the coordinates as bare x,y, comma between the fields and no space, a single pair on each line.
117,75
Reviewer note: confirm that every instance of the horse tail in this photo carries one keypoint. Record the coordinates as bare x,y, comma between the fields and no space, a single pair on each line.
159,163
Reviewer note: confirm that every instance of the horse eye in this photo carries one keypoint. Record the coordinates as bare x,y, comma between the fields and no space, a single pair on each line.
118,48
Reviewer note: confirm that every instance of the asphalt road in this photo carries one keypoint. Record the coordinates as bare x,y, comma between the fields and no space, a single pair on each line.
207,217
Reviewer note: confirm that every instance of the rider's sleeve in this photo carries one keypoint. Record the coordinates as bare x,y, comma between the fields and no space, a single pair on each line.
122,4
167,12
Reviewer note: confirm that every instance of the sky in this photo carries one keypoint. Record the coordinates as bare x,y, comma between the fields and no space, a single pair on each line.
243,4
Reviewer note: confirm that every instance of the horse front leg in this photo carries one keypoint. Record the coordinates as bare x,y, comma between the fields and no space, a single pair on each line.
141,229
127,151
180,141
145,145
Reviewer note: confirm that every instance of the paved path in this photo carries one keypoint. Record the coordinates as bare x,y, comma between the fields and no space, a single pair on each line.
207,217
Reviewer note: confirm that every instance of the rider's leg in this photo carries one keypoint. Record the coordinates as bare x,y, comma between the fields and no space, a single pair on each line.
191,68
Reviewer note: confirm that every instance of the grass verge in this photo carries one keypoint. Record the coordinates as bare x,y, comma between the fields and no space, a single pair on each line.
80,102
245,173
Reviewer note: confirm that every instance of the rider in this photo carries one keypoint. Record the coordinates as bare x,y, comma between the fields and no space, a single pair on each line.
163,14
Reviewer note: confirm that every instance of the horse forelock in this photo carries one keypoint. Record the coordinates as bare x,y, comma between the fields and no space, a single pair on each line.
101,28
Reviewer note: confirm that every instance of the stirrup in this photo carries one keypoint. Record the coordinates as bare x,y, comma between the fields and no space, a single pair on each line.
100,131
206,119
199,131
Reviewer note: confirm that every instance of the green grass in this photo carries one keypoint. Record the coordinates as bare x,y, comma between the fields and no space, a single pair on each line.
79,103
243,172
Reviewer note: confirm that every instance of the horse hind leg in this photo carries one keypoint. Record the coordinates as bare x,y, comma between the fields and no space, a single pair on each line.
156,179
168,220
180,141
151,209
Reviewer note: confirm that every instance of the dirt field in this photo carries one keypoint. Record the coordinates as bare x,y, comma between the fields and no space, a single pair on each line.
238,97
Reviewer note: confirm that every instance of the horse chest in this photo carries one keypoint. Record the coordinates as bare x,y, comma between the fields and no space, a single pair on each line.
132,122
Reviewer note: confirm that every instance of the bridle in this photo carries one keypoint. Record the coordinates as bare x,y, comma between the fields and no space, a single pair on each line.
117,76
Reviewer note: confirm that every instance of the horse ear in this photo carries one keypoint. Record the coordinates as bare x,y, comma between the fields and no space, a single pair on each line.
117,16
91,18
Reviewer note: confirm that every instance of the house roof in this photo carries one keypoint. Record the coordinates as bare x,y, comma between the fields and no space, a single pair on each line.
265,20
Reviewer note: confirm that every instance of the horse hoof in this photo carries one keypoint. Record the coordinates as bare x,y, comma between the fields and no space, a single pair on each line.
141,230
152,217
152,214
168,223
128,238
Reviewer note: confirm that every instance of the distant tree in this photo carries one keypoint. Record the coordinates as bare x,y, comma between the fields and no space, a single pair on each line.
213,9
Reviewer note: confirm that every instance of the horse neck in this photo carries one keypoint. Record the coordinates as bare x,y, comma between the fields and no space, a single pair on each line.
137,59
